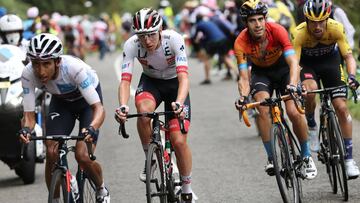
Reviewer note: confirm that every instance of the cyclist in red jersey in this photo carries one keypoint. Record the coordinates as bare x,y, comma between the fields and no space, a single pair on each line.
274,65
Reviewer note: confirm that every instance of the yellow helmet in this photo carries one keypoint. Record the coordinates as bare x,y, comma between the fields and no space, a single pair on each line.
317,10
252,7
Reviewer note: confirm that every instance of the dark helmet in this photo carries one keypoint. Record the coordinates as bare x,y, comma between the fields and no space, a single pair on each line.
252,7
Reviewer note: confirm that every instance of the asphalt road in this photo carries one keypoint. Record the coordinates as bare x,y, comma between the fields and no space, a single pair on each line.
228,157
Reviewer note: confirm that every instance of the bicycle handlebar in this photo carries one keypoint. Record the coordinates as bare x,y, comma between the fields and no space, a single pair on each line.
268,102
329,89
60,138
122,130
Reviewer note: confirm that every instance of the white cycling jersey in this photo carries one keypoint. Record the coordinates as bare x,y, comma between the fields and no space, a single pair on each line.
75,80
164,63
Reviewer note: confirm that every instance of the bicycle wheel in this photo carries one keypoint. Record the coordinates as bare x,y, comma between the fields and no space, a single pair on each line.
87,188
155,175
172,181
326,156
59,190
338,156
283,165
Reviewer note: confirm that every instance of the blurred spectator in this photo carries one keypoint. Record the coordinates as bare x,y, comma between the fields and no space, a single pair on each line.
3,11
30,23
206,34
100,32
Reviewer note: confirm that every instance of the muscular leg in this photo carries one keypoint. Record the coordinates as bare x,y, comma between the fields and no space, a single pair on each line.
51,158
143,124
93,168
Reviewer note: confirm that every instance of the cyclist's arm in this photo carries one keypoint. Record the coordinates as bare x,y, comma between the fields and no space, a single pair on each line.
178,46
98,115
28,98
293,63
126,71
350,64
84,80
244,82
346,51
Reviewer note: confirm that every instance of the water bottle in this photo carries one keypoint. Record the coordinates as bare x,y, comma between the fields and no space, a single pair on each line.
167,150
74,188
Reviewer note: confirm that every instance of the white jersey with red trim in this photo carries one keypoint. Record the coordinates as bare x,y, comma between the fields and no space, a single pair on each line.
75,80
164,63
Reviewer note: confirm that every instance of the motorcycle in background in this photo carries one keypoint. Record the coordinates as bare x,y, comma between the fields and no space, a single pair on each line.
11,112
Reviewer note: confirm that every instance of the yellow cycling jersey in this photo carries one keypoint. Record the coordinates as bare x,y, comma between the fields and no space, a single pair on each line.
308,46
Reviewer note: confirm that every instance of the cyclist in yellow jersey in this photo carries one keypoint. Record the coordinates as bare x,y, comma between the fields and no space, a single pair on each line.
318,43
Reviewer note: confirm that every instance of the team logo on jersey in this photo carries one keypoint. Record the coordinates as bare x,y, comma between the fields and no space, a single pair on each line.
53,115
182,48
26,90
125,65
181,59
65,87
167,50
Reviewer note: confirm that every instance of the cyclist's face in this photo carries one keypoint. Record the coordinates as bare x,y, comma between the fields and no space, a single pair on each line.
150,41
45,70
256,26
316,28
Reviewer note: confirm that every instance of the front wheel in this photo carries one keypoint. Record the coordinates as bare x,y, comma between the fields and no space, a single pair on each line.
338,153
283,165
59,190
87,188
155,175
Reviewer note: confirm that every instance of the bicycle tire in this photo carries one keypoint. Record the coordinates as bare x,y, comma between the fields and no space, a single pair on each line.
326,154
155,178
173,194
59,187
87,188
339,159
283,165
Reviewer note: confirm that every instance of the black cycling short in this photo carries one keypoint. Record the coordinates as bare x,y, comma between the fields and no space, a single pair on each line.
63,114
270,78
327,70
163,90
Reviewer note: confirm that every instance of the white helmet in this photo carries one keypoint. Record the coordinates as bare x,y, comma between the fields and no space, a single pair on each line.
45,46
11,28
32,12
147,20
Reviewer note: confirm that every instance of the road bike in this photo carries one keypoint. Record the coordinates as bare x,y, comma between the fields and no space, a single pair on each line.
332,147
62,187
162,183
285,147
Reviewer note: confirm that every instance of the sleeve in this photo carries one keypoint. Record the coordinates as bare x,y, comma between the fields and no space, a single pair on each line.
342,41
240,54
178,46
283,38
128,60
28,91
340,15
83,80
296,39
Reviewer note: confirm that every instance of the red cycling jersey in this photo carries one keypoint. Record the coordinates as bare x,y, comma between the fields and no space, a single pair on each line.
263,54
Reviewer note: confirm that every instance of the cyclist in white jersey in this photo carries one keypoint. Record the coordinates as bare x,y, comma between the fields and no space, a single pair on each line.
76,94
164,78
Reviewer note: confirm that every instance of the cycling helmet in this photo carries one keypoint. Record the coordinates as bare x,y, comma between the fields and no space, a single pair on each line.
11,28
146,20
317,10
252,7
45,46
